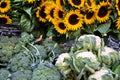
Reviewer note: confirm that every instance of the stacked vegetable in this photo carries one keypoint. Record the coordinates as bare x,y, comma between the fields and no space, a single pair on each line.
88,58
22,59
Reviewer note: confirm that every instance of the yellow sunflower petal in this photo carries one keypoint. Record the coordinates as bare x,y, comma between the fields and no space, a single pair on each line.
40,13
60,26
59,13
77,3
118,23
60,2
74,20
31,1
118,6
4,5
103,12
110,2
4,19
90,3
90,17
50,12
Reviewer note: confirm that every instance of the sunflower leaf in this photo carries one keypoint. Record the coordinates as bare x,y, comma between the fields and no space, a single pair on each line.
104,28
25,23
28,11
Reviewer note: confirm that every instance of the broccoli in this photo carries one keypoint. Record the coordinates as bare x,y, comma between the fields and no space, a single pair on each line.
45,71
20,61
21,75
7,46
4,74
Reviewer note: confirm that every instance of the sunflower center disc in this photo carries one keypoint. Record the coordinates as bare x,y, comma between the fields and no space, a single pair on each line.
51,13
62,26
88,2
42,13
102,11
60,13
89,15
3,20
73,19
76,2
3,5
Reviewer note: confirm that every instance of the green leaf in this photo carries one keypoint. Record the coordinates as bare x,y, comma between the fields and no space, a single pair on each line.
28,10
104,28
26,23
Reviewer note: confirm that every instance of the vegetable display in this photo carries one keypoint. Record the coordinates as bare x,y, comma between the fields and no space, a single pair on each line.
88,58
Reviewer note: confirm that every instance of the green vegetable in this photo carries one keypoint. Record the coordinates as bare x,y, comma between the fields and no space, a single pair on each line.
90,42
7,46
20,61
109,56
21,75
88,60
4,74
103,74
46,71
117,70
63,66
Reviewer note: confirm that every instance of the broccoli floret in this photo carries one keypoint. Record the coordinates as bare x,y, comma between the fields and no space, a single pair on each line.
4,74
26,38
45,71
21,75
38,50
5,56
20,61
7,48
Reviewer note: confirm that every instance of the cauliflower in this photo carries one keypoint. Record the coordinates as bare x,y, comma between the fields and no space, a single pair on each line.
87,59
61,64
90,41
102,74
109,56
46,71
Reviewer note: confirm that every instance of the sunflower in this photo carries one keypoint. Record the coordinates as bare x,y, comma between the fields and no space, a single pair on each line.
60,26
40,13
77,3
4,19
118,23
60,2
118,6
90,17
50,12
90,4
4,5
74,20
59,13
109,2
31,1
103,12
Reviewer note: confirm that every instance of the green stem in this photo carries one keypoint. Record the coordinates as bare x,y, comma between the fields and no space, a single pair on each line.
76,68
81,73
30,53
90,69
34,47
36,50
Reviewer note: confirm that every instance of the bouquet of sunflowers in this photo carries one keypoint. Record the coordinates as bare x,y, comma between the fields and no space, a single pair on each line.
62,17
